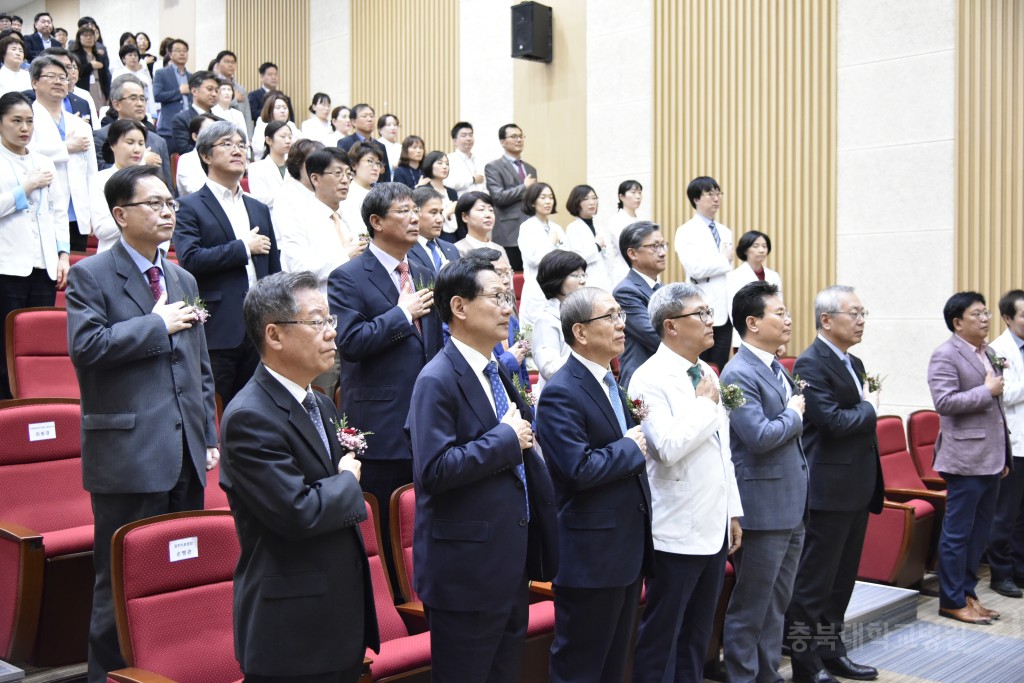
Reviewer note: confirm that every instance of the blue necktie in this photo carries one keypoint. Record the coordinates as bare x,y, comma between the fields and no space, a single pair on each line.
613,396
694,373
714,233
780,374
500,408
309,403
849,368
436,254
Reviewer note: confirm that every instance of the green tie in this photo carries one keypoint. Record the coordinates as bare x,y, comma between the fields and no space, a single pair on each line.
695,375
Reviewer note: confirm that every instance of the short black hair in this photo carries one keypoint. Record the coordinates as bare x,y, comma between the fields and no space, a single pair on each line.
532,194
360,150
485,253
503,131
118,129
466,203
267,65
353,113
127,49
301,150
555,267
747,241
120,188
957,304
427,165
633,235
319,160
459,126
317,99
1007,304
458,278
382,121
39,16
176,41
10,100
379,200
200,77
423,194
125,36
271,130
698,186
195,124
409,141
576,197
750,301
222,54
627,185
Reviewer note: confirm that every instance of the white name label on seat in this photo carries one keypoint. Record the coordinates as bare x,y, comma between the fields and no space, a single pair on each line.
42,431
184,548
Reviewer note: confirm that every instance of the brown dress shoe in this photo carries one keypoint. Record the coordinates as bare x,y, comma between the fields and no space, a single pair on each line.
965,614
983,611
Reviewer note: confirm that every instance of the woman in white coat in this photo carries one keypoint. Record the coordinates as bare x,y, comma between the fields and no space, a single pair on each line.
538,235
125,146
631,195
582,237
560,274
752,250
266,176
34,241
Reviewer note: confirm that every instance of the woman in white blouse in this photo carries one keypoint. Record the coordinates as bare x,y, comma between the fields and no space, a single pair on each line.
560,274
752,250
538,235
631,195
341,126
12,77
387,135
34,237
125,146
276,107
190,175
266,176
582,237
225,96
366,165
318,126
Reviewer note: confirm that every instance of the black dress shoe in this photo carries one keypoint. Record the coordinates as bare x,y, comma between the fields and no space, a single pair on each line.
1006,588
1019,580
842,666
820,676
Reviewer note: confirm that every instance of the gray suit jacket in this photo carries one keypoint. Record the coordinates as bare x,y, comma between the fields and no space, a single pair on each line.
764,435
506,190
140,386
972,426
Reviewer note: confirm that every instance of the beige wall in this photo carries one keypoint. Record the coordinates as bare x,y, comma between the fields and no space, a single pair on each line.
254,32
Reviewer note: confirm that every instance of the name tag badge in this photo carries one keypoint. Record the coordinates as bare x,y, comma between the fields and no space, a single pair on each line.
42,431
183,549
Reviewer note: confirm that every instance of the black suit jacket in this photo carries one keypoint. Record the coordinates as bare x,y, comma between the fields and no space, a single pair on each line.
207,247
839,434
181,141
256,98
349,141
422,257
34,45
633,294
302,579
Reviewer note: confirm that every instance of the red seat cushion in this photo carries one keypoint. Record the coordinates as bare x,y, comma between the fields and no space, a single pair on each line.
542,618
400,654
68,541
42,367
922,508
923,431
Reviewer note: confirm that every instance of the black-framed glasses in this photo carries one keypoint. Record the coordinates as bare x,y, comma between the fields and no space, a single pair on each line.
502,299
318,325
706,315
615,317
157,205
655,246
340,173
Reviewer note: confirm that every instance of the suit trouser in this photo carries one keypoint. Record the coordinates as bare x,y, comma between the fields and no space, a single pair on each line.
349,675
112,511
765,570
233,368
34,289
719,353
382,478
970,507
1006,539
824,584
483,646
675,629
593,631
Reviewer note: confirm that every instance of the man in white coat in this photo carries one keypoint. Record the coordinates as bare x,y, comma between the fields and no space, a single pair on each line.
695,502
66,140
706,251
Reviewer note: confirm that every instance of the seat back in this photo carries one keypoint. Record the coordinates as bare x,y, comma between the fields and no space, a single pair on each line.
788,362
923,432
41,465
38,363
172,579
214,497
403,518
389,622
898,469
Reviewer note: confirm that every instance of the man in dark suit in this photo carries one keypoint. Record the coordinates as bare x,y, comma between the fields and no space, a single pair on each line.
148,407
268,82
595,451
845,484
226,240
429,251
203,87
771,472
43,38
507,179
644,249
170,87
128,101
972,454
364,123
387,331
303,599
475,468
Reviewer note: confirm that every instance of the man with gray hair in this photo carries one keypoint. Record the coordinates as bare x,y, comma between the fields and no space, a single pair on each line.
695,503
844,485
128,101
643,248
225,238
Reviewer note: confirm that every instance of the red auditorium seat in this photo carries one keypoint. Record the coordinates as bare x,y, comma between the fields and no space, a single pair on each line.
787,362
896,545
402,655
37,354
46,527
517,286
923,432
174,618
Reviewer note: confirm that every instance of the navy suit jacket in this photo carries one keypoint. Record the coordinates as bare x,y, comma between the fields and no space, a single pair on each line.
256,98
839,434
633,294
181,141
764,437
303,571
34,45
381,352
165,91
207,247
349,141
600,478
472,542
421,256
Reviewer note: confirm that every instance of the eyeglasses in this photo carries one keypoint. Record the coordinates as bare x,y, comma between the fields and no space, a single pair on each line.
501,299
231,146
715,194
157,205
403,212
615,317
340,173
319,325
656,247
706,315
980,315
856,315
504,273
372,163
582,277
60,78
515,137
784,314
133,98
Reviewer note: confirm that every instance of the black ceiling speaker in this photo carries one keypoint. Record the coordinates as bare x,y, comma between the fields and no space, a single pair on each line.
531,31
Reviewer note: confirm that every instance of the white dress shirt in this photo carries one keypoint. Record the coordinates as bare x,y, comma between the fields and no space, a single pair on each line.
461,171
1009,347
469,243
390,264
477,363
351,209
310,242
315,129
14,81
265,180
706,263
599,374
189,176
234,206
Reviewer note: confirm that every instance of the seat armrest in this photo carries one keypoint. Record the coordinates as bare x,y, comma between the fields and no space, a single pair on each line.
934,483
133,675
413,615
22,563
543,588
906,494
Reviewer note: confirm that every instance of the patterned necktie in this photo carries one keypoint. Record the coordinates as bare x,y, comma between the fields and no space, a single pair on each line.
522,171
695,375
405,284
309,403
613,396
500,408
714,233
153,275
780,374
436,254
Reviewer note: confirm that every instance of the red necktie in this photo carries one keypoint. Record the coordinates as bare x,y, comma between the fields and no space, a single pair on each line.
405,284
154,282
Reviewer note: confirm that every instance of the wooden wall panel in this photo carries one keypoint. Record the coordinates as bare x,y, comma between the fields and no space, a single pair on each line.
275,31
405,61
745,91
990,148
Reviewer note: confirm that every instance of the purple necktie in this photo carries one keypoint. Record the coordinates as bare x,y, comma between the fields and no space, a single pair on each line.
154,282
522,171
